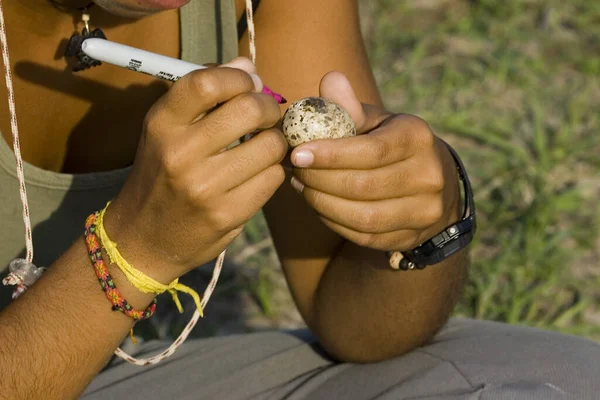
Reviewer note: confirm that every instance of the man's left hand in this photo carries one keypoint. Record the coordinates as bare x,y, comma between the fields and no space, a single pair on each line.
390,188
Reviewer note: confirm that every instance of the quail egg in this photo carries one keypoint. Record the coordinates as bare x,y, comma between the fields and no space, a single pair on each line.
314,118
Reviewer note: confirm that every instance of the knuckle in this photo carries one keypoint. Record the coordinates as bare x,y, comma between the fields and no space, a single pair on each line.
258,199
381,150
415,122
232,234
203,83
249,107
199,193
222,220
434,181
272,178
423,134
415,131
426,138
153,124
272,112
240,164
434,212
275,144
367,219
171,161
318,200
193,192
328,156
277,175
360,184
390,183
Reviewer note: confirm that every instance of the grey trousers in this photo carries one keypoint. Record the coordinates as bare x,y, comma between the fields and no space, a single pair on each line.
467,360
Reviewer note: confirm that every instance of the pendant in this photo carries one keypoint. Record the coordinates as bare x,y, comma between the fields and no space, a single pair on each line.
74,49
74,46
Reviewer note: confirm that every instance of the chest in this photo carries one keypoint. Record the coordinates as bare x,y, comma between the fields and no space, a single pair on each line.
63,114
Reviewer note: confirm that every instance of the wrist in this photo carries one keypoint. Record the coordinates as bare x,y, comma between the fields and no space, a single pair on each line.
94,235
134,296
137,251
452,237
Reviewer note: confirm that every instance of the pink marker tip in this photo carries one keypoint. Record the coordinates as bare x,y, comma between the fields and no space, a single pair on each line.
280,99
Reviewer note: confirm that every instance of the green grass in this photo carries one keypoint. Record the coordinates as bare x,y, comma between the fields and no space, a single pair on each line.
514,86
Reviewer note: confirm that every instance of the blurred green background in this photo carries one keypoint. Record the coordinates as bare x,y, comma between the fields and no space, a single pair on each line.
514,86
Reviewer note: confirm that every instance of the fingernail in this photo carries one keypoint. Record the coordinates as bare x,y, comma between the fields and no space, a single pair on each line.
296,184
258,83
303,158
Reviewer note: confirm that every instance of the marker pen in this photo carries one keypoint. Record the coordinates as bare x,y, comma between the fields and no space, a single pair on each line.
159,66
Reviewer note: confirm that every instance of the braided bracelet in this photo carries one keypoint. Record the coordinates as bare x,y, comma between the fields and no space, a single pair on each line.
106,281
120,304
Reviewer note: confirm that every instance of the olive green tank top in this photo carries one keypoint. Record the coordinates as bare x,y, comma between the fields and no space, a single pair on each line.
59,203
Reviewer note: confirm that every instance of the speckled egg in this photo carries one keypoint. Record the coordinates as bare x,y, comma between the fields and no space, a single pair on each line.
316,118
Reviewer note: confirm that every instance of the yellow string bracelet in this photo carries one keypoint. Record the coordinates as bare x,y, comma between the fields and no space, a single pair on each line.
137,278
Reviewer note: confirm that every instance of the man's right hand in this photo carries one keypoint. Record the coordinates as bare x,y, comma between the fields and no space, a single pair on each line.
186,199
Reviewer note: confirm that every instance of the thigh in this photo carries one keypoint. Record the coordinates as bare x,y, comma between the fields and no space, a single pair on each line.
228,367
514,362
469,359
466,360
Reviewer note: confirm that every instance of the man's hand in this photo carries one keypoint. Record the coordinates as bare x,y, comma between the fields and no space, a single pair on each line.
182,204
391,187
186,198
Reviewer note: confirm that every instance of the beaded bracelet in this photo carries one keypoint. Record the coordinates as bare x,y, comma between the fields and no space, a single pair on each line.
106,281
137,278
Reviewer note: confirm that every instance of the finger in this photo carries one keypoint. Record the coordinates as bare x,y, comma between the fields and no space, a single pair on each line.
243,114
380,216
245,200
336,87
238,165
200,91
243,63
395,140
402,179
391,241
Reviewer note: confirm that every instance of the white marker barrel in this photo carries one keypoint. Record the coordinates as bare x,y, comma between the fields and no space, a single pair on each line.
157,65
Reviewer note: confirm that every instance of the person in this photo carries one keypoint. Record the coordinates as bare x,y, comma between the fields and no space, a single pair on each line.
179,195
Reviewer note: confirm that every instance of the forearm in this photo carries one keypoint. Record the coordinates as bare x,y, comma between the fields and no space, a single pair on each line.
350,298
358,307
364,311
60,333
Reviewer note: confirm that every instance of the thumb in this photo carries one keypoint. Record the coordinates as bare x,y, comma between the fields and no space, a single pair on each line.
336,87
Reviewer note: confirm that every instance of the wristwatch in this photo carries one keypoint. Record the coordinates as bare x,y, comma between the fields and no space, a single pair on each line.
452,239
